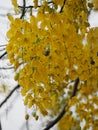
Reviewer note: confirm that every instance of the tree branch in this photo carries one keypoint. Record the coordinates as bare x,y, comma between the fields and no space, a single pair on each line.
3,55
27,7
62,6
1,104
31,6
23,9
2,45
7,68
51,124
3,49
75,88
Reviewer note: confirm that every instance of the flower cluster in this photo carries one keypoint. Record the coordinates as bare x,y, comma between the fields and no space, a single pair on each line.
49,50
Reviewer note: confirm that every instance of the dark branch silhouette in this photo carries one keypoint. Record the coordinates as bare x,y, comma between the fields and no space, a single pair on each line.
3,55
13,90
27,7
2,45
3,49
23,9
62,6
51,124
6,68
0,125
31,6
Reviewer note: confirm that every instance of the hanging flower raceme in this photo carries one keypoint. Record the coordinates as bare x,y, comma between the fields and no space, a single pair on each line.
48,51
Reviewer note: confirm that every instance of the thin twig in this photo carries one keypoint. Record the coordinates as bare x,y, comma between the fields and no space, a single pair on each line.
0,125
27,7
31,6
23,9
3,49
51,124
62,6
6,68
3,55
75,88
2,45
13,90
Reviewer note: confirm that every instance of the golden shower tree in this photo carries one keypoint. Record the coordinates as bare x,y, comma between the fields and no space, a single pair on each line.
55,57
